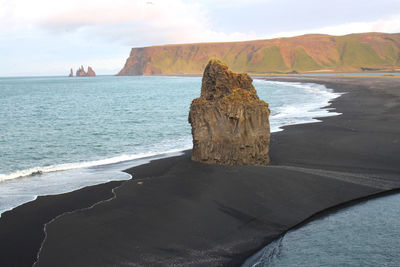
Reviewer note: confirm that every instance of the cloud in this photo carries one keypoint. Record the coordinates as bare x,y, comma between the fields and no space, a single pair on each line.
54,35
144,22
140,23
133,23
390,25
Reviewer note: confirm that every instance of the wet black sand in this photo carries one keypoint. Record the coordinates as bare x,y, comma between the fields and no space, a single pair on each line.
178,212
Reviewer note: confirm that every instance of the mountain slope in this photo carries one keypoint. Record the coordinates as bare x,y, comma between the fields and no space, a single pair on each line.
307,53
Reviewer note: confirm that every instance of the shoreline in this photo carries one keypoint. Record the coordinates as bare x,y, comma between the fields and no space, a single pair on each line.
321,214
152,172
120,162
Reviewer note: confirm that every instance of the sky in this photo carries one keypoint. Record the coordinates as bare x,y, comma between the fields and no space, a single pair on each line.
48,37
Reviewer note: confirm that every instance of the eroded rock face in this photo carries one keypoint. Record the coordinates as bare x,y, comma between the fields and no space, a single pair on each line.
229,122
90,72
82,73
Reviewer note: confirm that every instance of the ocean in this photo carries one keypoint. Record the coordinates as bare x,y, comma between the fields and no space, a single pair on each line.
59,134
366,234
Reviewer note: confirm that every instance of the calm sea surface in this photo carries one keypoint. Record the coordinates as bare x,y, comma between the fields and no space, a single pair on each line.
367,234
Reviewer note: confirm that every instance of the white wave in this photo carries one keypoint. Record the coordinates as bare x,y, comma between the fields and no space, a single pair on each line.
79,165
310,87
15,192
298,113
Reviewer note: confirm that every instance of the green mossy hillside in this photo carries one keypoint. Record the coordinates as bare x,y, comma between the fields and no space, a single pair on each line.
307,53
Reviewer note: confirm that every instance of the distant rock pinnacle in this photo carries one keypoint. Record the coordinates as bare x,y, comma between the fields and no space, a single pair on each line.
81,72
90,72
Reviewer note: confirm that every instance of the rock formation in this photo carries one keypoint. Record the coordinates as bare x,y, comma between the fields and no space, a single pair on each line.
71,73
81,72
229,122
90,72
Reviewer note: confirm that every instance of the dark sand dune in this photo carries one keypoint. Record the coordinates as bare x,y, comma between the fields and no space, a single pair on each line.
178,212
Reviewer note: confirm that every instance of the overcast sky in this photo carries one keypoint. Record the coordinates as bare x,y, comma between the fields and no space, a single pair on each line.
48,37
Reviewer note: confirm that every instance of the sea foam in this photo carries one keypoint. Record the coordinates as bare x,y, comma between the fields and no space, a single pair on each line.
77,165
296,109
15,192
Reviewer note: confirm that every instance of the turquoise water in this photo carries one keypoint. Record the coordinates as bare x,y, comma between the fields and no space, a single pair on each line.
367,234
59,134
49,121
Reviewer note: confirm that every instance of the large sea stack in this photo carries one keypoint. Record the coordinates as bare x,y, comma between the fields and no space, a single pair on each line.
229,122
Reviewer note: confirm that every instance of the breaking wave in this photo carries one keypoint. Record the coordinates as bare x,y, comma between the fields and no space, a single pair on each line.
85,164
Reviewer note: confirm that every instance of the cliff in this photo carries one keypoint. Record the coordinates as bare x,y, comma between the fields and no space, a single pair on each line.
307,53
229,122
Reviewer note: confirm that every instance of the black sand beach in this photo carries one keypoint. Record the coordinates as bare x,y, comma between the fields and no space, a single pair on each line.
178,212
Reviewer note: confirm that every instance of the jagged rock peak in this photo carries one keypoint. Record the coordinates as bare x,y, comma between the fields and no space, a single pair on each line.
82,73
219,81
230,123
90,72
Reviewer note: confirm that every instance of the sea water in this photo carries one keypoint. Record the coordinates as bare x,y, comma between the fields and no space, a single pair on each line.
356,74
367,234
59,134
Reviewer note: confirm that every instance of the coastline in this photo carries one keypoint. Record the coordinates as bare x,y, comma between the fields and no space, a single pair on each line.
79,170
222,229
21,229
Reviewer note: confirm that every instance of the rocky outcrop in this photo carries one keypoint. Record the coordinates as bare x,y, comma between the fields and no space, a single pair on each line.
229,122
90,72
82,73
